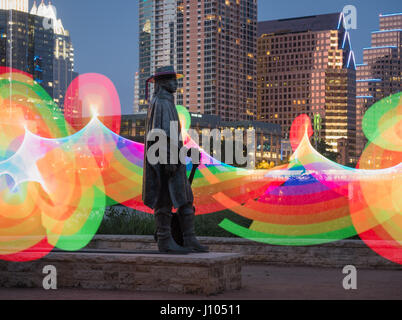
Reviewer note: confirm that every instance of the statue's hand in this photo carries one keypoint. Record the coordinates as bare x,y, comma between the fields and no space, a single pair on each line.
195,156
170,170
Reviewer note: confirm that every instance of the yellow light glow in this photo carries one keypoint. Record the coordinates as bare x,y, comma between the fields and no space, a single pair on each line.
94,111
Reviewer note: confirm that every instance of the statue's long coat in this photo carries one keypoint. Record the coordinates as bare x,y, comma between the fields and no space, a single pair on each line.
161,112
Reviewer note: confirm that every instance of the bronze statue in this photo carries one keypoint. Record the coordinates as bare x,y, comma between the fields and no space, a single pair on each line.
166,185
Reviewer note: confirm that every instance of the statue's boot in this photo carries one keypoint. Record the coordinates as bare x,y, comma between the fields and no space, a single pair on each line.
186,218
166,244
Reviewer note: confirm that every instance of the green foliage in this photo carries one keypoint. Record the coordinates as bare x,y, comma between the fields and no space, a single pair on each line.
125,221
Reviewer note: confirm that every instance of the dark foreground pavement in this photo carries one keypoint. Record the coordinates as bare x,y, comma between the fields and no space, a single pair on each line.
260,282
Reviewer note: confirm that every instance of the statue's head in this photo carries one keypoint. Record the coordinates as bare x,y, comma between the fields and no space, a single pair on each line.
170,84
166,78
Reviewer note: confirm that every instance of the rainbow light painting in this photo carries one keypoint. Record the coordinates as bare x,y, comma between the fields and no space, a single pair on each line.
57,176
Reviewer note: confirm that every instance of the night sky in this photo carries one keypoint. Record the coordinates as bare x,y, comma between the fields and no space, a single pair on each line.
105,32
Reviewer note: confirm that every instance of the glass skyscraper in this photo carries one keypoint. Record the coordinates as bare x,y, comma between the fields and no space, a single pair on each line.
28,45
157,46
63,52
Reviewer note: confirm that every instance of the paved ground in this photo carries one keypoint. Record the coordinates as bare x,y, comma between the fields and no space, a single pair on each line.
260,282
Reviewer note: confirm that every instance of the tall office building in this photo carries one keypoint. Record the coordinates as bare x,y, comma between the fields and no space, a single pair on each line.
157,27
216,53
25,44
306,65
37,43
63,61
380,74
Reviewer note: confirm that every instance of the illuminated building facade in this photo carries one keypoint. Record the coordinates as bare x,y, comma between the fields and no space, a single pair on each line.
63,61
27,46
157,25
217,55
212,43
306,66
44,52
267,135
380,74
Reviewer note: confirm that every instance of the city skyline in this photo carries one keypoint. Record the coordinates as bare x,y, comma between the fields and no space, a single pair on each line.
105,33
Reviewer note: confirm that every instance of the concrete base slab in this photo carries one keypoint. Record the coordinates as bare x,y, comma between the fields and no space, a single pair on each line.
204,274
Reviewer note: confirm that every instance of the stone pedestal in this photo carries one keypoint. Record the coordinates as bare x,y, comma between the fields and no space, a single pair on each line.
204,274
330,255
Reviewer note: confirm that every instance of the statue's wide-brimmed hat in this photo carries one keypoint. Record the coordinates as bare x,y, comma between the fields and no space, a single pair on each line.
162,73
